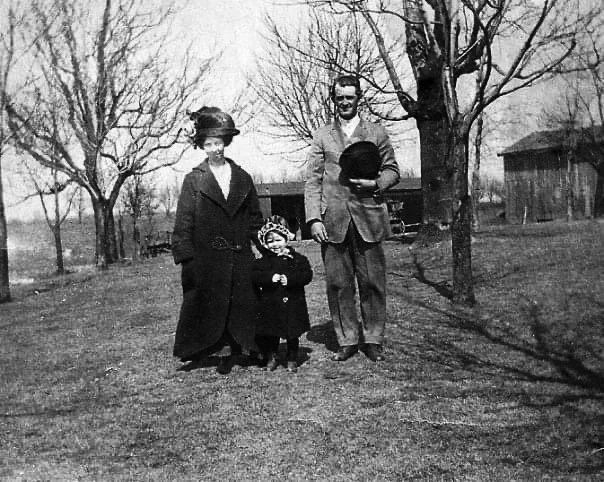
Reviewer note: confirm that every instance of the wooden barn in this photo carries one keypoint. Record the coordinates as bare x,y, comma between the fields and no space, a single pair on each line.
287,199
551,175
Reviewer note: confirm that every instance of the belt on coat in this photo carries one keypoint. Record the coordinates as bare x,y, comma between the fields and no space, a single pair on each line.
379,198
221,244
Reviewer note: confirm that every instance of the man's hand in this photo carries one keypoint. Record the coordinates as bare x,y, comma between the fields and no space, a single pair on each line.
283,280
364,184
318,232
276,278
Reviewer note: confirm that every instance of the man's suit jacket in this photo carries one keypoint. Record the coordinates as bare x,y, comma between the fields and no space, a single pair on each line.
328,197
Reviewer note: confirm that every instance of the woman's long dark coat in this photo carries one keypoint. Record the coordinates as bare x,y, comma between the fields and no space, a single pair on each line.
212,240
282,309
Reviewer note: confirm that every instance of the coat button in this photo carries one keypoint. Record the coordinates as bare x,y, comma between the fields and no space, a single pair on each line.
285,299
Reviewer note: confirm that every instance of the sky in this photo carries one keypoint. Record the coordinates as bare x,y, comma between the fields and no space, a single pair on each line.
236,27
230,25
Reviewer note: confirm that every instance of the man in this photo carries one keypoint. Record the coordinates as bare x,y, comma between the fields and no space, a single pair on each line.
350,220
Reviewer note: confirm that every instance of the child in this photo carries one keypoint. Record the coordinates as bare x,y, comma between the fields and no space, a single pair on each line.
279,277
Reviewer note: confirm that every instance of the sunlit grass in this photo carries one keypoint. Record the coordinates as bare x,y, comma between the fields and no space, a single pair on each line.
509,390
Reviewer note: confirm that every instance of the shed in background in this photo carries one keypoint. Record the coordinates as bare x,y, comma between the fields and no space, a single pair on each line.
287,199
551,175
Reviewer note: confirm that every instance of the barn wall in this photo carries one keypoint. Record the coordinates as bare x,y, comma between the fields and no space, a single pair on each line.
265,206
543,186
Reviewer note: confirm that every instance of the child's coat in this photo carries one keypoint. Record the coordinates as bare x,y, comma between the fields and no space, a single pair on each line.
282,310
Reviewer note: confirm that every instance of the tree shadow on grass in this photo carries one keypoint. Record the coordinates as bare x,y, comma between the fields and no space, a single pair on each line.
443,288
541,350
568,366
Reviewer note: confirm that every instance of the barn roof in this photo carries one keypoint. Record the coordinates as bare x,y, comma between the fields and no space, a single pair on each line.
297,188
548,140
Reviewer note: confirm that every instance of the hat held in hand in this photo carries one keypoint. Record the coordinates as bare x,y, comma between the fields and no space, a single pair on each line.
361,160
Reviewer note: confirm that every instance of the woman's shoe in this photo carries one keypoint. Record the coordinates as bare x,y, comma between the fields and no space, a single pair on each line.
292,366
225,365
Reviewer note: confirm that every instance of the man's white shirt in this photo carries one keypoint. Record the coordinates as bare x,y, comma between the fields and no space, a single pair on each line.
349,125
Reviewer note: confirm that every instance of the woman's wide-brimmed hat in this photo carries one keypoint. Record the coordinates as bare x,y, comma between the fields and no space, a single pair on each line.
361,160
213,122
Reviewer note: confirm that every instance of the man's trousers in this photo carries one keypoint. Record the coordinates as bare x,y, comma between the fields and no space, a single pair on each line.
356,259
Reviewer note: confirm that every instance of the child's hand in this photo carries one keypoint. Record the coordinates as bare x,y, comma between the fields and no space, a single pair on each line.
276,278
283,280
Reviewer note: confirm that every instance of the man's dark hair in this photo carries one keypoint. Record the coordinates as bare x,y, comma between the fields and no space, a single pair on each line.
345,80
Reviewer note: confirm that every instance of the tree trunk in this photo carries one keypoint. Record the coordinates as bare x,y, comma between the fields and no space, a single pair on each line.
436,179
106,242
136,238
476,193
100,253
569,189
56,231
599,192
80,205
4,279
120,227
476,187
461,232
110,232
430,114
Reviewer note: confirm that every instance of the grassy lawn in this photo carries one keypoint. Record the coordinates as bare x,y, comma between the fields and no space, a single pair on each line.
512,389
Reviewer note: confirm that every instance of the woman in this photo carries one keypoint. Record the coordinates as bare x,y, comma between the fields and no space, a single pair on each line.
217,216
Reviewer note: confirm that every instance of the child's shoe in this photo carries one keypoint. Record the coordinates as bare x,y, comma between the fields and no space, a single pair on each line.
272,363
292,366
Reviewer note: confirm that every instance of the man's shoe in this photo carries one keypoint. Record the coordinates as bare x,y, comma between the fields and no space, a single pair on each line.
373,351
345,352
292,366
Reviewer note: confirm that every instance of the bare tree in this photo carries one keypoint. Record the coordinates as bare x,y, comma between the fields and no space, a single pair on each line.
8,50
168,197
55,217
408,173
478,140
81,205
513,43
577,119
492,188
140,201
590,104
121,98
293,76
258,177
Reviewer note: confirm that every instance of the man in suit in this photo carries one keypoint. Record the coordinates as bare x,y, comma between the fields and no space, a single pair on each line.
350,219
